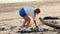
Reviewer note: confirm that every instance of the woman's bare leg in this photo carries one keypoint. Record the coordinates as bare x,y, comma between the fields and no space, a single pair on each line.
28,23
26,20
24,24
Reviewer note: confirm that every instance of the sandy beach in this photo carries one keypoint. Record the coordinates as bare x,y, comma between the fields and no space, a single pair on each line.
9,16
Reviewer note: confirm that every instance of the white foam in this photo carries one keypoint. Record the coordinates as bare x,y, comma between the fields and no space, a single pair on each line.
13,1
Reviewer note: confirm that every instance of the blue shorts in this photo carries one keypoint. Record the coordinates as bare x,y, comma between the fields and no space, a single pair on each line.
22,12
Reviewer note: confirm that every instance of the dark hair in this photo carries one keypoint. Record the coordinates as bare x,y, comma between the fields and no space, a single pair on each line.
37,10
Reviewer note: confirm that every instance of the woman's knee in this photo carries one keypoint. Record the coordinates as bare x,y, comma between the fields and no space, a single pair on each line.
26,18
29,19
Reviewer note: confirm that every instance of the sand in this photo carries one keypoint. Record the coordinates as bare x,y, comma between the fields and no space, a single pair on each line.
9,16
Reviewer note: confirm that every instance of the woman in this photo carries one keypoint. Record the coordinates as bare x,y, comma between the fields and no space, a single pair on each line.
25,12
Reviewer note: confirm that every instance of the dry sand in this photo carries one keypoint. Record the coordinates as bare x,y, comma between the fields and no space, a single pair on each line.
9,16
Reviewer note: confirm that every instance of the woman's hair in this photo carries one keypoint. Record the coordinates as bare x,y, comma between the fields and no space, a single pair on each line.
37,10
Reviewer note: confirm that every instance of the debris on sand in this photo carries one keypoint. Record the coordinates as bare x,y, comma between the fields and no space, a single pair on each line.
2,29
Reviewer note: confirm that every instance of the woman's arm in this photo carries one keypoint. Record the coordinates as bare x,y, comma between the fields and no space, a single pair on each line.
34,19
35,22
